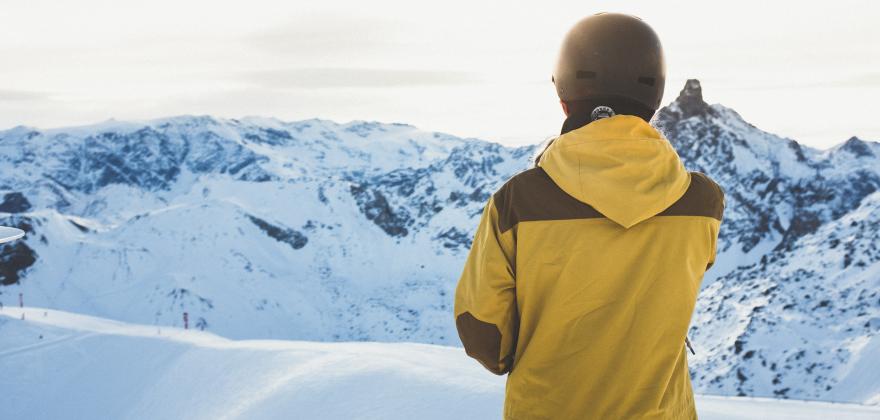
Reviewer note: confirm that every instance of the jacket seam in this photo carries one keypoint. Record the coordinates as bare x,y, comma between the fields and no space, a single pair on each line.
605,218
613,139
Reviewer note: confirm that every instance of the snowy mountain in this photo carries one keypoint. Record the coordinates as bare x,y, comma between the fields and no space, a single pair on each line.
795,311
93,368
776,189
801,322
256,228
313,230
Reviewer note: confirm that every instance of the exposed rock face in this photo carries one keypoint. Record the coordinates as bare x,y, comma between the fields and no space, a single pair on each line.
292,237
690,100
16,257
14,202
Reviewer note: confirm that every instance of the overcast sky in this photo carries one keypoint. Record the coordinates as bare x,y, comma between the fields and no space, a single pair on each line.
805,70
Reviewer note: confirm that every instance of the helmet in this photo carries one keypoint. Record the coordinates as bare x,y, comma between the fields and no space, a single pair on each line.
611,55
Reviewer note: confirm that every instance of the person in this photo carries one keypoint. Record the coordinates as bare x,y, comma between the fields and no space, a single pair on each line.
584,270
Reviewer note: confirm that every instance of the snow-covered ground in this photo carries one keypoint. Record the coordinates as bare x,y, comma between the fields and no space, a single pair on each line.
61,365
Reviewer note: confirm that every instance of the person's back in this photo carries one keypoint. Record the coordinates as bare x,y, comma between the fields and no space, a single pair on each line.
584,271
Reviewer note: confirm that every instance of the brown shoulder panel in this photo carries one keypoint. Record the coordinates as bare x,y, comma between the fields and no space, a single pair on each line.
702,198
532,195
481,340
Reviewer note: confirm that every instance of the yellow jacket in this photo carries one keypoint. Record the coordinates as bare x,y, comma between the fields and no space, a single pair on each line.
584,273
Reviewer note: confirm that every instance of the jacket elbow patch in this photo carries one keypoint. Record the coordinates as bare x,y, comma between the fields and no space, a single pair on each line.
482,341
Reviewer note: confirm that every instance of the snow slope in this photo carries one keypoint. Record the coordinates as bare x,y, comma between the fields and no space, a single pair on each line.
802,321
58,365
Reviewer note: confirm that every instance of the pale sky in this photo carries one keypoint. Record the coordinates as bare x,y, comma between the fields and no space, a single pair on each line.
801,69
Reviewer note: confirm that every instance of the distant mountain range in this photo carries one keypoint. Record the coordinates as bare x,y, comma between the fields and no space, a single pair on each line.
314,230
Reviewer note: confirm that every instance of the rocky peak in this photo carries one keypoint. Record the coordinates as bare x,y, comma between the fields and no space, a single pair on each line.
692,89
688,104
690,100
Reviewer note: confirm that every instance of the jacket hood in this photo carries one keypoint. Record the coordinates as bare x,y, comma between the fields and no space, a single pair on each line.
621,166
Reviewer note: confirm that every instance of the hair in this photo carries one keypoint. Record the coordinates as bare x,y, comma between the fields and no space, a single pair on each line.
580,113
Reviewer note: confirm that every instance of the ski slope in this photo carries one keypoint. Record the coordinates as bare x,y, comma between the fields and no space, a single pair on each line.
60,365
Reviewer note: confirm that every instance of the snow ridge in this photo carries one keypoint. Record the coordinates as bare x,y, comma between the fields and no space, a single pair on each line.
97,368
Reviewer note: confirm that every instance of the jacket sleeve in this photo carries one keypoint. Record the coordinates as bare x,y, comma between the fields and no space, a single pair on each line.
485,299
716,227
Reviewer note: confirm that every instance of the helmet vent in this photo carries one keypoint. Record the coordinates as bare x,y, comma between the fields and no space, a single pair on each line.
646,80
581,74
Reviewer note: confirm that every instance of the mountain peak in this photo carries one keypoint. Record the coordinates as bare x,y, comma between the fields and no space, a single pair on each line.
857,147
692,89
20,131
690,100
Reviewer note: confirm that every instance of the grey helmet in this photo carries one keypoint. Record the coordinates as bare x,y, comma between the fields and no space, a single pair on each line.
611,55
